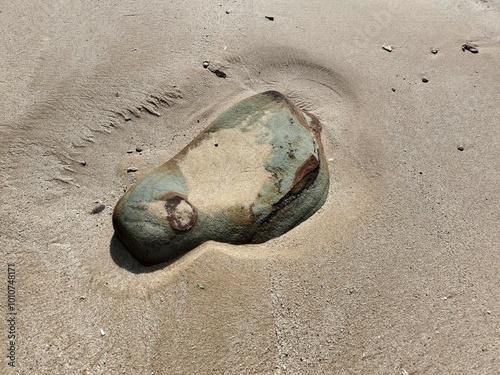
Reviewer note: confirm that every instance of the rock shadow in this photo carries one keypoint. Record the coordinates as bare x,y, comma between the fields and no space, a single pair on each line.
123,259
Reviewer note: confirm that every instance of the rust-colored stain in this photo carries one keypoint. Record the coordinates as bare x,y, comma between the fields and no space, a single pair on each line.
181,214
304,172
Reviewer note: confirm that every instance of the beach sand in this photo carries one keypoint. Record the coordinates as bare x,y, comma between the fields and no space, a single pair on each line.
398,273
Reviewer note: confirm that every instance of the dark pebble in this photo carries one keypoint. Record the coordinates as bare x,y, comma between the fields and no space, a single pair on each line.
138,149
219,73
469,47
131,169
460,148
425,80
98,209
270,18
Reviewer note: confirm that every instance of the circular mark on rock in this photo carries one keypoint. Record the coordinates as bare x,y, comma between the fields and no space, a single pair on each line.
181,214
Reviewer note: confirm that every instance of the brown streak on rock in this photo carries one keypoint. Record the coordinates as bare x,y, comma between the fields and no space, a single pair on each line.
305,170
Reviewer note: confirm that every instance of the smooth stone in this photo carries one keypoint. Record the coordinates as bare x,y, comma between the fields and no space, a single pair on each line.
255,173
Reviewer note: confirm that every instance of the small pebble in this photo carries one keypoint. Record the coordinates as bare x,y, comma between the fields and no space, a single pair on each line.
102,332
131,169
425,80
460,148
219,73
138,149
83,162
270,18
469,47
387,47
130,151
97,209
393,89
434,51
206,63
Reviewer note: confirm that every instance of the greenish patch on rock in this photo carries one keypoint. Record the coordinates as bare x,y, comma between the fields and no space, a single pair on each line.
255,173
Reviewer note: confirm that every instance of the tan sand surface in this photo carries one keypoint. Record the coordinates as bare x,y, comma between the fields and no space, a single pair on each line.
398,273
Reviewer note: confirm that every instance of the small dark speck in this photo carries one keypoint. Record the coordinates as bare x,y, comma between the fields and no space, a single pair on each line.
138,149
270,18
216,145
98,209
460,148
425,80
420,172
83,162
393,89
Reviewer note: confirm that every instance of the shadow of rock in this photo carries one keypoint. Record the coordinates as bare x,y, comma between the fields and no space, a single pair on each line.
125,260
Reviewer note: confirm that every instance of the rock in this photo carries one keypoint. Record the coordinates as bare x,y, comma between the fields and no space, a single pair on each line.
470,47
138,149
255,173
434,51
206,63
97,209
425,80
131,169
219,73
387,47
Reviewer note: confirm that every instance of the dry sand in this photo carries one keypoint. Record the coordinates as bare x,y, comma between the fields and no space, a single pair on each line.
398,273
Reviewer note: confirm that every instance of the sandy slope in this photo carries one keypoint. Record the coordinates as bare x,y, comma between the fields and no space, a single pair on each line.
397,272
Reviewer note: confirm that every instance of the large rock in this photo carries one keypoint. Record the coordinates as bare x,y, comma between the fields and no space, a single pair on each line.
256,172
